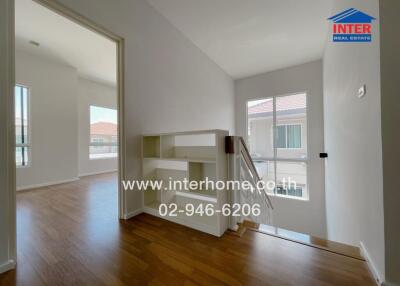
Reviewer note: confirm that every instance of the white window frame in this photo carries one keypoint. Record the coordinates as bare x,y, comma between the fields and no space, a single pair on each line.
277,159
27,145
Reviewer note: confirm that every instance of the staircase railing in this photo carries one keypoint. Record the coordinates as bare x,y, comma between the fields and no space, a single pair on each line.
241,167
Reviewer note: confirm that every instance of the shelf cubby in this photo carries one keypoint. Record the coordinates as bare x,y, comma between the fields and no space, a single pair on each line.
162,171
199,172
151,147
196,147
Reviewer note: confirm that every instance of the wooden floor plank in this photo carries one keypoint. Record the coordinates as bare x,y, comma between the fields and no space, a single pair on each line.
70,235
306,239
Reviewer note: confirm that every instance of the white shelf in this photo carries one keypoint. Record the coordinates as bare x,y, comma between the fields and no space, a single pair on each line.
194,160
153,205
206,196
184,133
204,223
194,155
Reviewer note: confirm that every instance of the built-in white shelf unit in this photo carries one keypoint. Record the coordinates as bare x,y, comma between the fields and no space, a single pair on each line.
194,155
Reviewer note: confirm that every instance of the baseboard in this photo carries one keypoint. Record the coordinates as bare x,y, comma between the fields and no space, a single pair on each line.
234,228
371,265
196,196
29,187
132,214
52,183
7,266
97,173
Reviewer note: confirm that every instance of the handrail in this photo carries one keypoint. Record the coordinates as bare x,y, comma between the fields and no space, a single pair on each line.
242,168
250,164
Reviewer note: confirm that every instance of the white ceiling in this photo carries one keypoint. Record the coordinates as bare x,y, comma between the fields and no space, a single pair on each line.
248,37
62,40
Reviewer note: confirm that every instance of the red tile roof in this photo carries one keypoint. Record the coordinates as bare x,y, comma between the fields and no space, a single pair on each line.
292,102
104,128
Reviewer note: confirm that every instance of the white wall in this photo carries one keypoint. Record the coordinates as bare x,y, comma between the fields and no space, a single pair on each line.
169,83
93,93
390,111
302,216
354,201
53,119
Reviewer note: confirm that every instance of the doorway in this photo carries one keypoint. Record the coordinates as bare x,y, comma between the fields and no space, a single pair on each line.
285,135
49,31
21,153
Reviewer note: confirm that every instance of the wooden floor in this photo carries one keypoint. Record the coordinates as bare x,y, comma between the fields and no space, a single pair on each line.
306,239
70,235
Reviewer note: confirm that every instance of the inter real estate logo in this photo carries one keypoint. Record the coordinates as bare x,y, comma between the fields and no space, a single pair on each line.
352,26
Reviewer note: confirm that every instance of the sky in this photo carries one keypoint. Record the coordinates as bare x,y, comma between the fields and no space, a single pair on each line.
18,90
102,114
255,102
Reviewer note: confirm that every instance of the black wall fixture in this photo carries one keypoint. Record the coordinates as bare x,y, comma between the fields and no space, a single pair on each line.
323,155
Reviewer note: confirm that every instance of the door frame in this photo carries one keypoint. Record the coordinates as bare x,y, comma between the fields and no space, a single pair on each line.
7,133
7,128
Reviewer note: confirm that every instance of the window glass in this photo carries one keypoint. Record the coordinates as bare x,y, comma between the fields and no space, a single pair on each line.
22,140
281,136
291,112
291,179
103,133
266,171
288,136
277,138
293,136
260,120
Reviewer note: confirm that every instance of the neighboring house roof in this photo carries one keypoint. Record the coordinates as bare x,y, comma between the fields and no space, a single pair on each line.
18,121
352,16
293,104
104,128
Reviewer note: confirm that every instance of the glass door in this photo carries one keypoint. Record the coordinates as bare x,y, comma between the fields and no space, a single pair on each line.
277,139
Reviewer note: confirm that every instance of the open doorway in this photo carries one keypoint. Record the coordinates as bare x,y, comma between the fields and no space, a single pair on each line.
68,102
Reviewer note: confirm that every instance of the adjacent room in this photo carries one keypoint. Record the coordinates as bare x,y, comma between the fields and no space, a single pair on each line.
66,111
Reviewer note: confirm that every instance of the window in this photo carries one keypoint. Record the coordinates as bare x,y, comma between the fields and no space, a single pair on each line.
98,140
288,136
277,139
103,133
289,191
22,138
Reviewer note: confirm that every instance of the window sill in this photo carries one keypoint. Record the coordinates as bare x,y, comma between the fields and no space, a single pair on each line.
23,167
